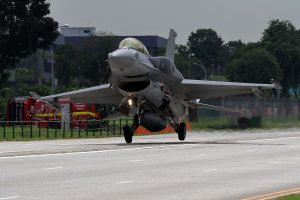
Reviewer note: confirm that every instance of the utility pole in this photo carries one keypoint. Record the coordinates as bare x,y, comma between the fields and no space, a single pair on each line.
190,54
52,71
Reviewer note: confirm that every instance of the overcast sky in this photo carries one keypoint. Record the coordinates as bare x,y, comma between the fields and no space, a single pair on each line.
232,19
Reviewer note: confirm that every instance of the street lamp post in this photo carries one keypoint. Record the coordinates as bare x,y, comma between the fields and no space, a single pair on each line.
52,71
202,68
190,54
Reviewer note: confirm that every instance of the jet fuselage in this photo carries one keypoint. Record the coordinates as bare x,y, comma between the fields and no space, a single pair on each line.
149,83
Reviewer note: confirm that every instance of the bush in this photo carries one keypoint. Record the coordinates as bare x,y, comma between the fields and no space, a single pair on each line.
253,122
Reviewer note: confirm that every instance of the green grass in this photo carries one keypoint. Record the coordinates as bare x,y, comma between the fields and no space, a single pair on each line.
218,123
213,123
28,132
115,128
25,133
290,197
288,122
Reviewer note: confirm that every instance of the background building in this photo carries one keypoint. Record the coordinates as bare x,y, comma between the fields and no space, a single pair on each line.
77,31
41,61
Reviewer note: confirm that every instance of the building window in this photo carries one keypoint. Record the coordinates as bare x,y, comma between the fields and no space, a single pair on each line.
87,31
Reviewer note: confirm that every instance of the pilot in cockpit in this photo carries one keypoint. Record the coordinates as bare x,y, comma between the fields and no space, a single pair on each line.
132,43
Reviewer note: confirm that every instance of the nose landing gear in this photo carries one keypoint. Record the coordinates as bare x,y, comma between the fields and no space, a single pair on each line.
128,133
181,131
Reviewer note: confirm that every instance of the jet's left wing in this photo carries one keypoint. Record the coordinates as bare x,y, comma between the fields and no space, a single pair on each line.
102,94
200,89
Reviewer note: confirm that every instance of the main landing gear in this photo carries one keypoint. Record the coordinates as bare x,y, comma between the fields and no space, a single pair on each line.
129,131
181,131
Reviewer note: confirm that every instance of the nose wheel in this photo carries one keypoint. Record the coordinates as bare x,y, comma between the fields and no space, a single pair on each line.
128,133
181,131
129,130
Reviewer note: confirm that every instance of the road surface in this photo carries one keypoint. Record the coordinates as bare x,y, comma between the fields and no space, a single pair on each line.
208,165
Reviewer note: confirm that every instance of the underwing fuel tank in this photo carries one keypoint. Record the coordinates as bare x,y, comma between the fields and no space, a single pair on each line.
142,87
152,121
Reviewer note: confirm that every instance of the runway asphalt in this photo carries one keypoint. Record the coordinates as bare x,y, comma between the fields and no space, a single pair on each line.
208,165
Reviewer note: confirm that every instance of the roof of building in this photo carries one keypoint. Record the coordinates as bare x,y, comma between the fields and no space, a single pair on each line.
150,41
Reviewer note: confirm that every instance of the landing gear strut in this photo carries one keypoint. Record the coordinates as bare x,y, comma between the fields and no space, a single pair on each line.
181,130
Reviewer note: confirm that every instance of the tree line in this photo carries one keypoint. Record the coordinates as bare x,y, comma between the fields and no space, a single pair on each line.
276,56
25,27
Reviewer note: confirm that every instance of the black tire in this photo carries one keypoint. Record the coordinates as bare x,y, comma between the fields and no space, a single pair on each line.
181,131
128,133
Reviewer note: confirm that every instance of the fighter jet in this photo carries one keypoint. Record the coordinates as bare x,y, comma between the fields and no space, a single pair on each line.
153,89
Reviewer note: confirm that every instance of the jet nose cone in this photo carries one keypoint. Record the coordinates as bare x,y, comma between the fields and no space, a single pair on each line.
123,57
126,62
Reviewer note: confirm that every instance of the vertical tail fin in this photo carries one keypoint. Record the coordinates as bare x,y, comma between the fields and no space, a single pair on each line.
171,45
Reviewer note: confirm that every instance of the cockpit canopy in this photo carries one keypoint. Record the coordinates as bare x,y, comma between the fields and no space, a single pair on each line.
133,43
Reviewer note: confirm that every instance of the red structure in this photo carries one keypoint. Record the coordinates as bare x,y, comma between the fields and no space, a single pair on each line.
29,109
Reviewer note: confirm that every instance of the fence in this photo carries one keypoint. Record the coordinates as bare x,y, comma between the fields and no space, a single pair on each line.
12,130
264,107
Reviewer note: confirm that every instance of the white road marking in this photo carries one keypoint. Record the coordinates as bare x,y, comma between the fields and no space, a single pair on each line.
251,150
141,160
52,168
276,163
269,139
201,155
294,146
13,197
130,149
23,151
209,170
91,152
122,182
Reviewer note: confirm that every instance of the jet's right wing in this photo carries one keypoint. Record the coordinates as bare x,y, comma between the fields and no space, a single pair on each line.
102,94
200,89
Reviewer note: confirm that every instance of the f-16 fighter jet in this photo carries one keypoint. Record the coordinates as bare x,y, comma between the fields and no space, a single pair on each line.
153,89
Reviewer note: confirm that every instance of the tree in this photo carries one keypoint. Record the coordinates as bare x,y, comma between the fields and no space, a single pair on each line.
93,64
256,65
206,45
5,93
24,75
181,59
181,50
283,40
278,32
85,65
185,63
288,56
66,64
233,46
24,27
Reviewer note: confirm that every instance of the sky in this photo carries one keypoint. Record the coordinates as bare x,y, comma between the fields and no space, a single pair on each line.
232,19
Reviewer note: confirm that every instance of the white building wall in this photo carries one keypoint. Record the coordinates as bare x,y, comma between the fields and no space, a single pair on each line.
78,31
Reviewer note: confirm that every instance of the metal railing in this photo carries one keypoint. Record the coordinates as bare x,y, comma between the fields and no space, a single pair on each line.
265,107
23,130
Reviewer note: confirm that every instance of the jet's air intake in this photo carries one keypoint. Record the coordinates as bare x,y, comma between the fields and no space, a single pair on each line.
142,87
133,86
